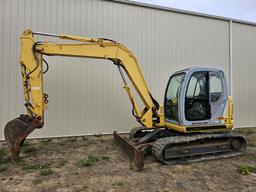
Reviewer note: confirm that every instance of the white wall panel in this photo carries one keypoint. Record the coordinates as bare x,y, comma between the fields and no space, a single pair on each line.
244,70
86,95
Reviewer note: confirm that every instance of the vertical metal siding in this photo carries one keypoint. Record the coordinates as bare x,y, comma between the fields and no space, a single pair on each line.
86,95
244,70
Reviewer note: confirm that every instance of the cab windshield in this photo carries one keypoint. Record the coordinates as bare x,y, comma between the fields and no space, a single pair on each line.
172,97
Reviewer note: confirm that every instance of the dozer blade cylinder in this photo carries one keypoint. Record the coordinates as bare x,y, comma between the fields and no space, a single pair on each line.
17,130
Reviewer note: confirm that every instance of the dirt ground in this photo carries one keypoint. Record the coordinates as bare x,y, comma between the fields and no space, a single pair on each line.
92,163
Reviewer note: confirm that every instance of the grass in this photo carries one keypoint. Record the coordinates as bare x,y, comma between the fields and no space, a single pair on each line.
46,140
3,158
45,169
119,183
26,143
46,172
246,169
27,147
105,157
253,157
131,167
61,163
3,168
93,158
2,153
29,167
92,141
85,138
252,144
72,139
45,166
85,163
89,161
37,181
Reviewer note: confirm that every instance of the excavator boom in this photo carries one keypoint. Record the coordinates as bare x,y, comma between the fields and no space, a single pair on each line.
36,101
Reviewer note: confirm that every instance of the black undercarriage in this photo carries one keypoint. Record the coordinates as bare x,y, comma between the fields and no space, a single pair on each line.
171,147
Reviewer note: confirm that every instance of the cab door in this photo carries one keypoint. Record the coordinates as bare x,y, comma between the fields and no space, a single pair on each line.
197,97
205,96
218,95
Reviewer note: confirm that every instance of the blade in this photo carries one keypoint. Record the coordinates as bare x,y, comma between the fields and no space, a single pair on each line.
136,155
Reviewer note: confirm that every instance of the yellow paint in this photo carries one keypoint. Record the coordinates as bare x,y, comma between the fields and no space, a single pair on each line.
31,68
161,116
175,127
229,120
136,108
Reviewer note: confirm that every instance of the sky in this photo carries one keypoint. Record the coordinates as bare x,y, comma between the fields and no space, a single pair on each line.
237,9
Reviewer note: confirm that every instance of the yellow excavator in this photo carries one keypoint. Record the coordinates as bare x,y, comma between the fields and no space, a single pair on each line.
195,123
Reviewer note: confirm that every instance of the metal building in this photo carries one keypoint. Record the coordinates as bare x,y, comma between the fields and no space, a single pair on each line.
86,95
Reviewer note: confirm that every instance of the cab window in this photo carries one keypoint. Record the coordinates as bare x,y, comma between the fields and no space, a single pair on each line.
215,88
172,97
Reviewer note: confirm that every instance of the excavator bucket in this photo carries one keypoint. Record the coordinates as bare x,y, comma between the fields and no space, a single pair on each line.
17,130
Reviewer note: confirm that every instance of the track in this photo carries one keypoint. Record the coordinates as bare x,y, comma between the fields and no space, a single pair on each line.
198,147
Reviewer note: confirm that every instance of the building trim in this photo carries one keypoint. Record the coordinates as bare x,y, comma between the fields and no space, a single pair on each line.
230,58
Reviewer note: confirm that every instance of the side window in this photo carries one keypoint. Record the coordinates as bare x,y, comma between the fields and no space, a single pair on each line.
192,87
215,88
196,86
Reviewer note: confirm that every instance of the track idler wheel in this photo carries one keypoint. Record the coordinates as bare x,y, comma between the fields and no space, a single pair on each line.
17,130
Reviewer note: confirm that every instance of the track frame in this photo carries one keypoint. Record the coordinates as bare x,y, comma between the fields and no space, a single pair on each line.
137,145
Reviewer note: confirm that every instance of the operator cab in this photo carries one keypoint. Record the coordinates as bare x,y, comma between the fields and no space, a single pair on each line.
196,97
